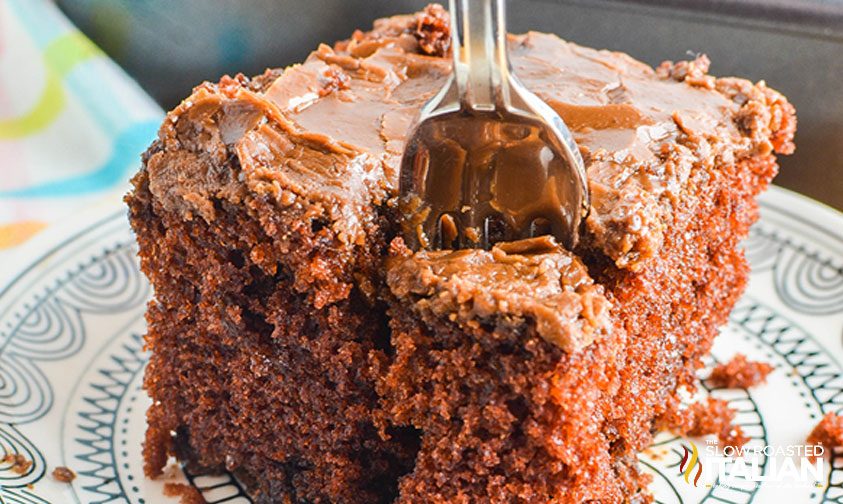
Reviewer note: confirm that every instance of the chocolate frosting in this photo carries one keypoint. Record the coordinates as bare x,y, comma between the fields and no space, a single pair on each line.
529,281
641,133
324,140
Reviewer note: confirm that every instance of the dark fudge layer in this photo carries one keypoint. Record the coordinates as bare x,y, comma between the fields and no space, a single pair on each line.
283,351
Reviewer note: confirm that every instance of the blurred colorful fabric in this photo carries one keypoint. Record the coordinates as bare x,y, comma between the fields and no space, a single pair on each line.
72,124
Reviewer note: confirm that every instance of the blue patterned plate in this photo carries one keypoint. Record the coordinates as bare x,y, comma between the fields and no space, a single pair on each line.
71,362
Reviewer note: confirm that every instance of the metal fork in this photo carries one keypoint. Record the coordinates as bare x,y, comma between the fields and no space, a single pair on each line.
488,160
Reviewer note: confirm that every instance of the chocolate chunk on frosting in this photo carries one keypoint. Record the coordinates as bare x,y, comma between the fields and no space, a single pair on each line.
532,281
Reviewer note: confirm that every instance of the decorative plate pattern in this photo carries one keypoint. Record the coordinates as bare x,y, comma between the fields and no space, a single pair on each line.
71,362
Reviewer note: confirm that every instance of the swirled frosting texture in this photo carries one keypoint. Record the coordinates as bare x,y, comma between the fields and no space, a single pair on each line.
323,139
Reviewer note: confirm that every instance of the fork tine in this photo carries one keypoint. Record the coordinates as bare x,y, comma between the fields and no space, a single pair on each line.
496,167
448,231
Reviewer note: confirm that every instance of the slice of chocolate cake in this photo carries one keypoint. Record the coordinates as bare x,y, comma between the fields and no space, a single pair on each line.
296,342
508,364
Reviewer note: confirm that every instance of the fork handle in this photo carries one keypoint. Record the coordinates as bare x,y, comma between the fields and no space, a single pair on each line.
481,62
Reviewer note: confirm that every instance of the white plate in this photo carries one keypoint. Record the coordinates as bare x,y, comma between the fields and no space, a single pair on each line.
71,362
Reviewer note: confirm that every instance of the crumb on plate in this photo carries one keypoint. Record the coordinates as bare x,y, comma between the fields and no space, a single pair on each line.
828,432
740,373
64,474
187,494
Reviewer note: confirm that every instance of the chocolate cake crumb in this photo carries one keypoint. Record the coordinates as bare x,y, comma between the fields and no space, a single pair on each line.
19,463
713,416
64,474
828,432
740,373
229,84
433,30
333,79
187,494
693,72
